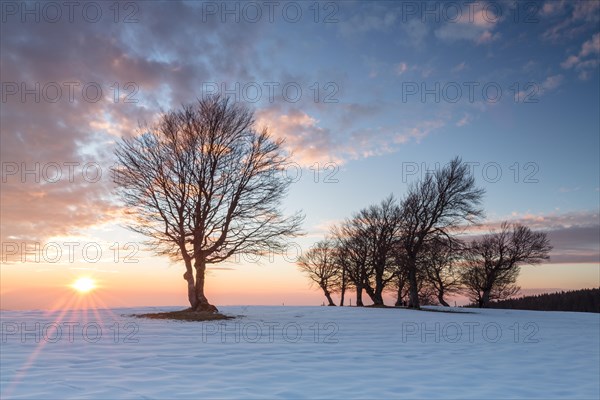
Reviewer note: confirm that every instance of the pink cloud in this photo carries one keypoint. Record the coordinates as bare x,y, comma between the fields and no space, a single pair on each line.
575,236
574,18
589,47
160,62
308,142
401,68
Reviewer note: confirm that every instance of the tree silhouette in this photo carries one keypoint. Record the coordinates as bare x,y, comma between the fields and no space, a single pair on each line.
352,254
439,261
380,226
320,265
203,185
442,201
492,262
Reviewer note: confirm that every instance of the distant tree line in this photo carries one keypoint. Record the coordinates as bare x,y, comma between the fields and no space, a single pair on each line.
584,300
411,247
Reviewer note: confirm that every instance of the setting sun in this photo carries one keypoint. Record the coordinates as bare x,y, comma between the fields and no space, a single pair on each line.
84,285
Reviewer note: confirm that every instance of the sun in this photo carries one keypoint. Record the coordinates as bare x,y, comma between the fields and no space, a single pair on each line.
84,285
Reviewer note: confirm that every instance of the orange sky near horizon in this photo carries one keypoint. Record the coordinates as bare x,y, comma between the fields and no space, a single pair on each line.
160,283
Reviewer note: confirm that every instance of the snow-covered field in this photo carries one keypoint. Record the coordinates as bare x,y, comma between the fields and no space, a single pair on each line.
298,352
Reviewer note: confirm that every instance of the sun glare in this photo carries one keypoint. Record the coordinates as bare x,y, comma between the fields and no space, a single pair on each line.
84,285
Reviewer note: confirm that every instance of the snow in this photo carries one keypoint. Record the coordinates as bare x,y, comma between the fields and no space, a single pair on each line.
358,353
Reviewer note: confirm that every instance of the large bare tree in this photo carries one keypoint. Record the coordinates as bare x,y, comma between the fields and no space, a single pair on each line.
352,255
380,225
400,285
342,282
439,261
440,202
492,262
319,263
203,185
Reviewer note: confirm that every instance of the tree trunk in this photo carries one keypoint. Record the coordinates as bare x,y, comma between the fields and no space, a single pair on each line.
359,302
378,296
202,303
370,293
414,289
343,288
485,299
399,297
441,299
189,277
328,296
378,293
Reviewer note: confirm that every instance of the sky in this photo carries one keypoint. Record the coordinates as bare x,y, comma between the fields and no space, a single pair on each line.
369,96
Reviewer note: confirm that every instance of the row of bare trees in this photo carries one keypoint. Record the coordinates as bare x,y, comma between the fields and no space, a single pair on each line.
412,247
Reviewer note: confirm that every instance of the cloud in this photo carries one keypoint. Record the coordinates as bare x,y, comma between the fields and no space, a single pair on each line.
303,136
150,63
477,26
573,18
374,66
547,221
589,47
487,37
416,30
552,7
586,10
466,120
401,68
552,82
459,67
368,18
310,141
159,68
419,131
323,228
575,236
529,66
549,84
570,62
575,245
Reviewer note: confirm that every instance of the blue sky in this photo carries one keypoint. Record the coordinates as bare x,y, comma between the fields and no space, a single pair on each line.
548,142
370,126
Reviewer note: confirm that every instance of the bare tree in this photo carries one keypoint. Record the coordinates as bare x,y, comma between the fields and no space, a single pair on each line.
439,262
401,287
399,283
492,262
352,254
380,226
434,206
204,185
343,284
319,264
342,281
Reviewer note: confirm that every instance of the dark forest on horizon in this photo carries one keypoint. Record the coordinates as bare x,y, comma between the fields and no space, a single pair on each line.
583,300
